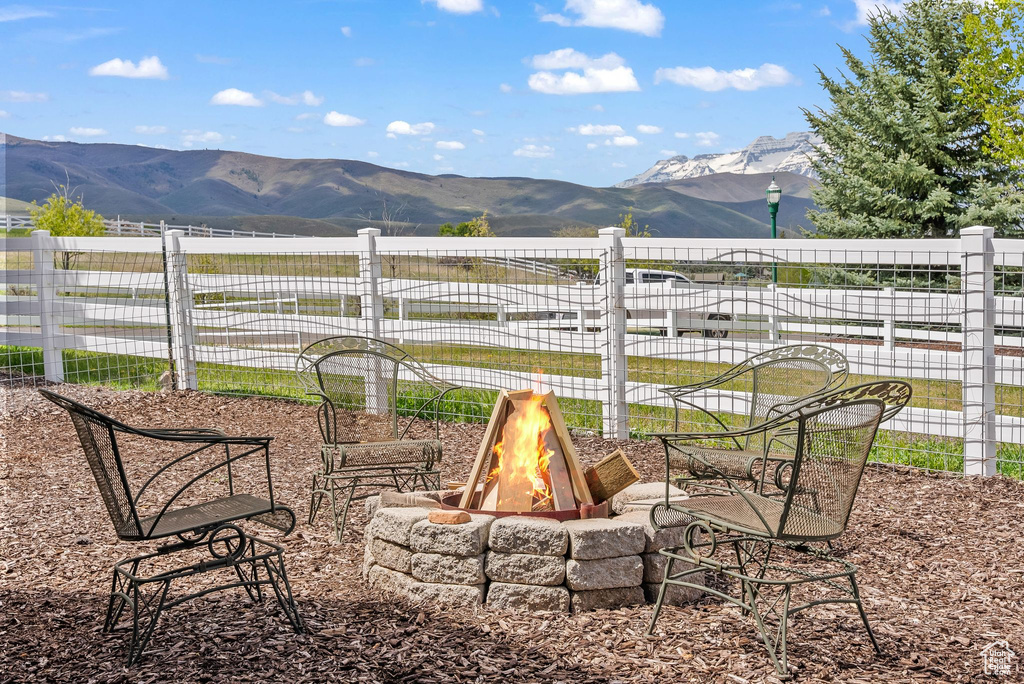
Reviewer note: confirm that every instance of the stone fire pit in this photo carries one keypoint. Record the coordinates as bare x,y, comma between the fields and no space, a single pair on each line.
520,562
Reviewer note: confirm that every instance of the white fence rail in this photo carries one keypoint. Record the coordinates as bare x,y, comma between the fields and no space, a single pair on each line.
251,303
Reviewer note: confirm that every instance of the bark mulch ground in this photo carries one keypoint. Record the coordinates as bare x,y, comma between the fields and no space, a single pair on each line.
942,572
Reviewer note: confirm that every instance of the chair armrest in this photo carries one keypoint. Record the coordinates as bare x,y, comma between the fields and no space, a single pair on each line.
209,432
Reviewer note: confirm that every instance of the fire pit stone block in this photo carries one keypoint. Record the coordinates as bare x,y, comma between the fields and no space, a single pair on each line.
467,539
525,569
604,538
583,601
655,539
675,595
395,524
527,597
447,595
388,581
641,491
444,569
604,573
526,535
392,556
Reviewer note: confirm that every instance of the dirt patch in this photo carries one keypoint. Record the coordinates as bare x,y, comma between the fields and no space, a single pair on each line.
942,573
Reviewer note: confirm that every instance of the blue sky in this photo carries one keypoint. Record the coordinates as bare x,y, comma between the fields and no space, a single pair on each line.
589,91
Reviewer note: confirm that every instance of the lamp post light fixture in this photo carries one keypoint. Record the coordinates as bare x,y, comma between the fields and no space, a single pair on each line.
774,194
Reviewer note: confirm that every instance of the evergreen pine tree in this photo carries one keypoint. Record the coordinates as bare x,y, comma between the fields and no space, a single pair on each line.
902,153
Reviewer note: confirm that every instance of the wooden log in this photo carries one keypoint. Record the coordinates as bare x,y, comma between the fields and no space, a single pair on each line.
572,461
562,498
611,475
483,455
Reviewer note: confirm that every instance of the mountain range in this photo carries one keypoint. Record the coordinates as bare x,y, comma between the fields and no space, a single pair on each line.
791,154
335,197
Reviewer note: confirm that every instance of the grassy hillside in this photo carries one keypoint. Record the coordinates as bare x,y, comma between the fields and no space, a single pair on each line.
337,196
13,206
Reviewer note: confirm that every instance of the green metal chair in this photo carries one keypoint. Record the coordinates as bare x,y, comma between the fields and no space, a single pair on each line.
168,504
774,546
366,445
772,382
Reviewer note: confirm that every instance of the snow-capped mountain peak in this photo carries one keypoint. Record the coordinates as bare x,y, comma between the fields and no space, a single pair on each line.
764,155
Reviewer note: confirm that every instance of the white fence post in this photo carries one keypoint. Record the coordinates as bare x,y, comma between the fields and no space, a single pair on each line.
46,295
371,312
889,322
979,356
773,318
179,302
613,320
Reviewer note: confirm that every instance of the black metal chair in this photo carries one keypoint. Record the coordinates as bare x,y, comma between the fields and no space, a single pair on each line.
148,513
781,544
773,381
370,392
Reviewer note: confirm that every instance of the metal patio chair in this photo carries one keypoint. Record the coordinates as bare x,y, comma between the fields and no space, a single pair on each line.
782,544
775,380
187,519
360,382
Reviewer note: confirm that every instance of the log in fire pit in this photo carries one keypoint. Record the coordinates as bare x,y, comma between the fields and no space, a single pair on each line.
527,465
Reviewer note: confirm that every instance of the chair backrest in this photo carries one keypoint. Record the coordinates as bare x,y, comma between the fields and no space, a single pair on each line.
783,374
835,436
97,433
362,375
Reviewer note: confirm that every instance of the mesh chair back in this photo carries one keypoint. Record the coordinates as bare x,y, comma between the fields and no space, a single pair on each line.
365,384
836,433
96,432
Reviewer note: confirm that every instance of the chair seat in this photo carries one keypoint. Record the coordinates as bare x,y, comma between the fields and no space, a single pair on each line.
732,462
215,512
737,512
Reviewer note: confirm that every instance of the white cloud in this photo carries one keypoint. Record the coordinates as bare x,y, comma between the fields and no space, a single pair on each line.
597,108
18,12
681,135
306,116
623,141
4,115
346,31
706,138
22,96
363,61
619,165
401,165
627,15
668,153
196,137
598,129
869,8
372,155
647,129
296,129
54,138
306,97
592,146
438,157
617,80
236,97
535,151
478,132
711,79
150,130
333,118
148,67
505,88
449,145
824,11
86,132
567,58
458,6
405,128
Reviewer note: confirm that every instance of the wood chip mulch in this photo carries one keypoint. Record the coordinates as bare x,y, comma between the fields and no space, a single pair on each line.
941,558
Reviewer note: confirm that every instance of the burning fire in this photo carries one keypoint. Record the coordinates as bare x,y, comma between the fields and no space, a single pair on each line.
523,456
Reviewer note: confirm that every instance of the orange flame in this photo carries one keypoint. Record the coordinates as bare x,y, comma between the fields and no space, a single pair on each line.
524,455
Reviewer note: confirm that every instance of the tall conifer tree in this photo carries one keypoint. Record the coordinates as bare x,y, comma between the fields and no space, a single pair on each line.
903,153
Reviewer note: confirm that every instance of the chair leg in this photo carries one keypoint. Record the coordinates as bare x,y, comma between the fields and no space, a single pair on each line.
315,499
661,595
863,615
274,566
120,596
776,647
250,580
339,532
145,613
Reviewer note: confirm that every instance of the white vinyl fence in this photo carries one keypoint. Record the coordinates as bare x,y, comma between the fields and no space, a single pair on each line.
605,322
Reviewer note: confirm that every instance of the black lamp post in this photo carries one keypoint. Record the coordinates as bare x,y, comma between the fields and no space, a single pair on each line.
774,194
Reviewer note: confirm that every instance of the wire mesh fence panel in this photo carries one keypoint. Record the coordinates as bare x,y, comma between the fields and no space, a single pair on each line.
1008,345
86,311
